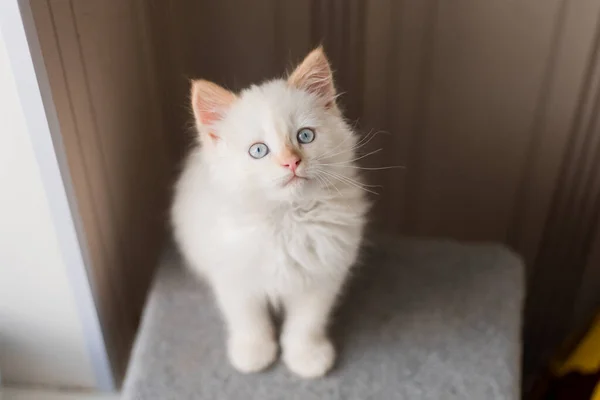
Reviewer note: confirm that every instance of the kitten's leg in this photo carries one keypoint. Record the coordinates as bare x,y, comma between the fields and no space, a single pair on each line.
251,343
307,350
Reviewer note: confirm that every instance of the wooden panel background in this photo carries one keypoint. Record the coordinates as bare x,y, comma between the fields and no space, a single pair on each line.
99,62
490,106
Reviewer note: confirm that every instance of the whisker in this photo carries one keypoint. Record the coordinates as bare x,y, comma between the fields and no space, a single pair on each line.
351,179
366,140
328,153
348,181
357,158
329,183
366,168
361,143
321,180
367,137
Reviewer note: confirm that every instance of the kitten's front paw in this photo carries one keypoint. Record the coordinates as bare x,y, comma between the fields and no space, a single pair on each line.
251,354
309,357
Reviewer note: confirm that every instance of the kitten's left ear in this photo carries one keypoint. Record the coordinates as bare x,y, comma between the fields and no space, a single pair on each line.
314,76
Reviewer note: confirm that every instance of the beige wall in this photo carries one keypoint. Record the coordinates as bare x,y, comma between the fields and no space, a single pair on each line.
482,101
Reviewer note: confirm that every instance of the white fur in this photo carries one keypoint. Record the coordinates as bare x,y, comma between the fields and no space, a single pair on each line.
258,242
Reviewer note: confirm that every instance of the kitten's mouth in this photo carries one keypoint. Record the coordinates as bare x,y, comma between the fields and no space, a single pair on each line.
294,179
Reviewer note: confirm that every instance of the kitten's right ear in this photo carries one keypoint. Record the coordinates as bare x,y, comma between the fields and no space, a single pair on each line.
209,102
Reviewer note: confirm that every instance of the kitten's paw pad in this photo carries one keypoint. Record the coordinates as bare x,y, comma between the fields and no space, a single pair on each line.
309,358
252,354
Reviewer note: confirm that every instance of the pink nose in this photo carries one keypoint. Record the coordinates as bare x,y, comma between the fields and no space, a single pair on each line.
291,163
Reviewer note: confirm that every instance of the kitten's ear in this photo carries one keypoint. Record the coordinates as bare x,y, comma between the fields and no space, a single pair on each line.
314,75
209,102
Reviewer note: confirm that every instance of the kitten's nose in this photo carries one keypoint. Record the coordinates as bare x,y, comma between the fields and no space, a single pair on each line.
291,163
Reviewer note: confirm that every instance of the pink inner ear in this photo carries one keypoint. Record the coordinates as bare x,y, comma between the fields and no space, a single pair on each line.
314,76
208,115
210,101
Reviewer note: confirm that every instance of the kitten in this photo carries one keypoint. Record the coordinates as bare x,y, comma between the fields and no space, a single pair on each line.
269,210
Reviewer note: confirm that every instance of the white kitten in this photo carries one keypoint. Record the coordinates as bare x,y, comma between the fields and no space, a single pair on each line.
270,210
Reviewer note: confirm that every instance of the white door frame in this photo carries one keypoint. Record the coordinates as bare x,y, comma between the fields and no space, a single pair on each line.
18,31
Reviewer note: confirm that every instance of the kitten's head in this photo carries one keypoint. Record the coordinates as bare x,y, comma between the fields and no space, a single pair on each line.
282,140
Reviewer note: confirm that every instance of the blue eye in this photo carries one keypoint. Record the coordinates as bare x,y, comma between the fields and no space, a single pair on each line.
258,150
306,135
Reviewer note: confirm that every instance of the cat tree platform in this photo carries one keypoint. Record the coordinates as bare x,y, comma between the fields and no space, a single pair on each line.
421,321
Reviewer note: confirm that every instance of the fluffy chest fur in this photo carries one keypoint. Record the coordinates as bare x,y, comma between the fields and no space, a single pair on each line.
302,243
272,246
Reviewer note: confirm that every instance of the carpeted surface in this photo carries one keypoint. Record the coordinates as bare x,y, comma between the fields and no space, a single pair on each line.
421,321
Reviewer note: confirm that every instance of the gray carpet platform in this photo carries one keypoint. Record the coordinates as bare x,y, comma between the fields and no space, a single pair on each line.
421,321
